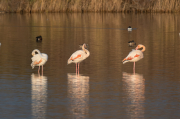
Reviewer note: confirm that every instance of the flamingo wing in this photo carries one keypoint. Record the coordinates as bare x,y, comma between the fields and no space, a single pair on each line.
77,55
36,59
44,56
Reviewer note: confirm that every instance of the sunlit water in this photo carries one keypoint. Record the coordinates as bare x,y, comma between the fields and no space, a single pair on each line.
106,88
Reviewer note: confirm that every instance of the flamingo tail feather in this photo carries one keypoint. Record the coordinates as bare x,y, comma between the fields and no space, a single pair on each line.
125,61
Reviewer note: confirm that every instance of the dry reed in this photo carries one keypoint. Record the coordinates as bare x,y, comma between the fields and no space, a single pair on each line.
90,5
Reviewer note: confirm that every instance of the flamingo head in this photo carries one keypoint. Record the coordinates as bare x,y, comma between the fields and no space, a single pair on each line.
33,53
84,45
141,47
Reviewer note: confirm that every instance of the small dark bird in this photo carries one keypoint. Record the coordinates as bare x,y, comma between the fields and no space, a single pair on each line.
131,43
38,38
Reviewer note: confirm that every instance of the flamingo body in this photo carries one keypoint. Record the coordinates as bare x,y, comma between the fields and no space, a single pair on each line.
77,57
38,59
133,56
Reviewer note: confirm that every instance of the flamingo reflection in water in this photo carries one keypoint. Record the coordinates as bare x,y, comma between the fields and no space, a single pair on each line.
134,87
78,94
38,96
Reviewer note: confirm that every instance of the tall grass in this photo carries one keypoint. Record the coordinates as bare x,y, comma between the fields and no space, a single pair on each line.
90,5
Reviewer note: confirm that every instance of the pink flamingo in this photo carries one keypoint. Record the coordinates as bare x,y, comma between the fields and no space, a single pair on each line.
78,57
38,59
135,55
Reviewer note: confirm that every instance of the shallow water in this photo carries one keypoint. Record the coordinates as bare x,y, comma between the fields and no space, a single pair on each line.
106,88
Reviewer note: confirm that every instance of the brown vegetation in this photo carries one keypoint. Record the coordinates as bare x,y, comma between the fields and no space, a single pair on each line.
90,5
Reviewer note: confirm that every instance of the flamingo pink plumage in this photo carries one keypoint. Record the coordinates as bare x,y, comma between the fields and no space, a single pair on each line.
135,55
38,59
78,57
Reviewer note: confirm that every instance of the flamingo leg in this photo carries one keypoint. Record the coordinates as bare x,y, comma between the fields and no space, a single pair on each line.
42,70
38,69
78,69
134,68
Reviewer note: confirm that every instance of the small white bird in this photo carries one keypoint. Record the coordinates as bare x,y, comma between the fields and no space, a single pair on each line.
38,59
129,28
78,57
135,55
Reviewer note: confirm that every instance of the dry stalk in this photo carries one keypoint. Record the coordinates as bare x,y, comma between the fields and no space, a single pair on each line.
89,5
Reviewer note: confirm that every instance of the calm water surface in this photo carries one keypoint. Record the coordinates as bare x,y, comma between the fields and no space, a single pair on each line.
106,88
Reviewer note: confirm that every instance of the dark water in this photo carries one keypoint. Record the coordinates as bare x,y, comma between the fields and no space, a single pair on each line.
106,88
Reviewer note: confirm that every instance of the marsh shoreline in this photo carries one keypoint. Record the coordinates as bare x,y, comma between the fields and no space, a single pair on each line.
30,6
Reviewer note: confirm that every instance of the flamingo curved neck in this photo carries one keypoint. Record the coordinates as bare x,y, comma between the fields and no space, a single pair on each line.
144,48
36,50
141,46
86,51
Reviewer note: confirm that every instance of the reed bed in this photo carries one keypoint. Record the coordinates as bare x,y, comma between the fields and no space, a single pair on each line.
90,5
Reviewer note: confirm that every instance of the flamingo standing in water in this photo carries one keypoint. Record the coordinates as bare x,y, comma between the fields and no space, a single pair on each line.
135,55
38,59
78,57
